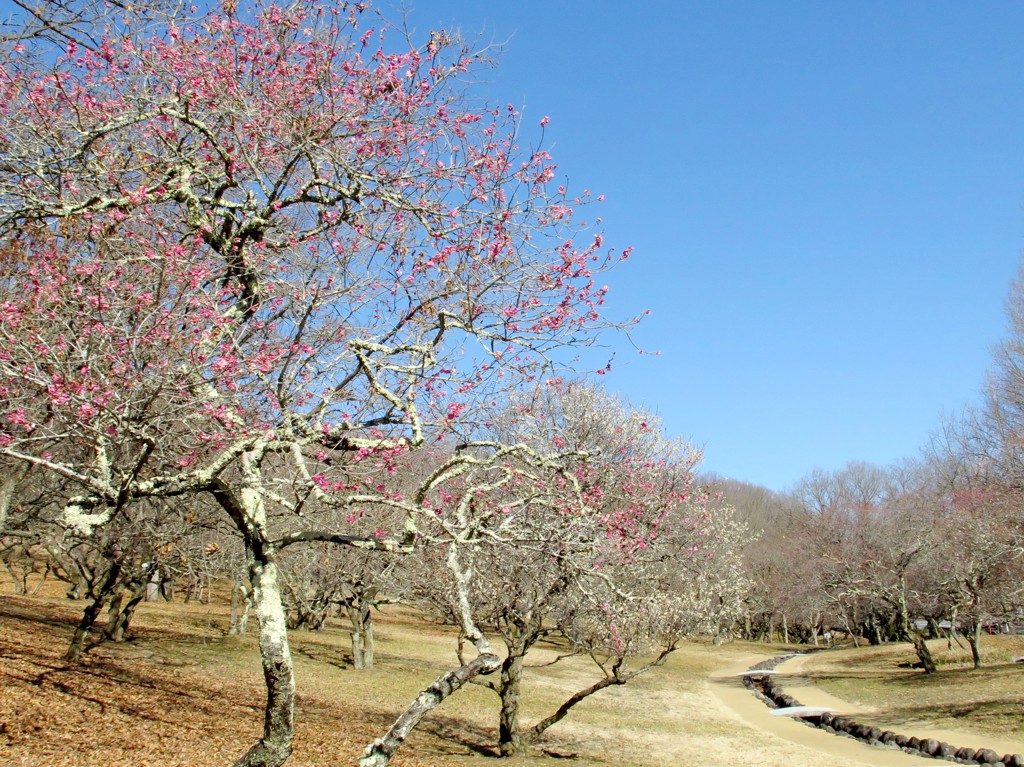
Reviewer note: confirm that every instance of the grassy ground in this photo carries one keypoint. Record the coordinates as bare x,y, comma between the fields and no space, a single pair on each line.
987,700
182,693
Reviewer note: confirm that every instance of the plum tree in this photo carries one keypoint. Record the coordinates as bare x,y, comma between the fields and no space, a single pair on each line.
245,250
612,552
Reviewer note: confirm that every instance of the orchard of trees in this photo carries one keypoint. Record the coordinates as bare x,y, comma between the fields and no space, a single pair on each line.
930,547
284,311
884,555
281,305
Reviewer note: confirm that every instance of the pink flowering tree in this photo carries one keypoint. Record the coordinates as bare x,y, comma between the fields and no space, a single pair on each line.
244,253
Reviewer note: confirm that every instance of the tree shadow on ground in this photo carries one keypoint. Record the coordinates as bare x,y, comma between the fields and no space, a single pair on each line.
472,737
329,656
40,611
987,699
990,715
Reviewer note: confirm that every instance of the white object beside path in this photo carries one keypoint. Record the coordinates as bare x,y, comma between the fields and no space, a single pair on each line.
802,711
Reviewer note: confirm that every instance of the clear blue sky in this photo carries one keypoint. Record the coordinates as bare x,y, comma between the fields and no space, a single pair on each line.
826,200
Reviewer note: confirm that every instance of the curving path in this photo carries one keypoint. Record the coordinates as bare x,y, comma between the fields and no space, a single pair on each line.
800,688
728,688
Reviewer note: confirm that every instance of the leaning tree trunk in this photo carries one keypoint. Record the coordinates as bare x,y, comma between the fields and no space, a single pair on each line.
101,581
616,675
379,753
120,617
912,635
531,735
923,653
104,594
952,630
47,569
849,625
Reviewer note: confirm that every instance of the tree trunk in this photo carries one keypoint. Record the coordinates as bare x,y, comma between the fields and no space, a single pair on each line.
785,629
923,653
542,726
241,601
614,676
358,643
113,610
166,585
155,586
47,569
510,742
20,584
952,630
379,753
850,630
912,635
247,510
121,618
974,640
361,631
94,608
278,722
878,638
369,646
7,490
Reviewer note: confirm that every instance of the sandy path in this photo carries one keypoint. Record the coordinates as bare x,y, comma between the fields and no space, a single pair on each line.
729,691
800,688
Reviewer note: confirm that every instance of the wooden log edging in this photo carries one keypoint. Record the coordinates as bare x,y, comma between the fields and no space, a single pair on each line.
770,692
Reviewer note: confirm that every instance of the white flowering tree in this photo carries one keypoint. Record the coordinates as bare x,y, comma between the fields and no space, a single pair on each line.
611,552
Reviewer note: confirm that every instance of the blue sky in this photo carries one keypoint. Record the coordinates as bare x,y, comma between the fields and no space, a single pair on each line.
826,201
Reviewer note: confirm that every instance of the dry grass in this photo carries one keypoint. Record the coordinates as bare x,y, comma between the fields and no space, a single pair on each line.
181,693
987,700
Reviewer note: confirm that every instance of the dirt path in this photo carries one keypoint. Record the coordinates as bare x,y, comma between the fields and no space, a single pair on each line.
728,689
801,689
